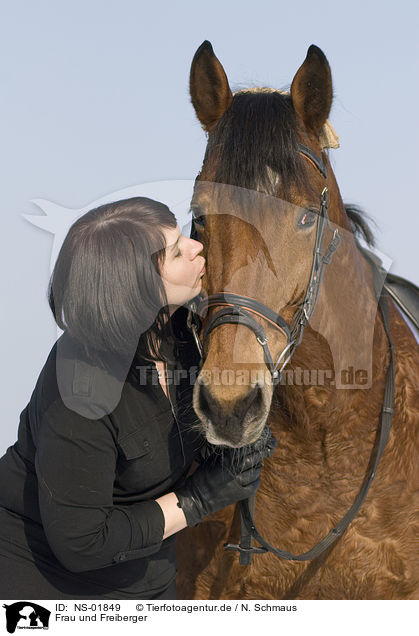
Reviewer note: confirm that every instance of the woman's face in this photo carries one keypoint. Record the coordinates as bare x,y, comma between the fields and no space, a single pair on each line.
183,268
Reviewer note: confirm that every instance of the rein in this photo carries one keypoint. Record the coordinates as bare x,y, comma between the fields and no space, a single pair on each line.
234,313
249,529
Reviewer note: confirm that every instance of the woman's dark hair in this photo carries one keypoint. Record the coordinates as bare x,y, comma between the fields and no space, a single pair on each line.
106,290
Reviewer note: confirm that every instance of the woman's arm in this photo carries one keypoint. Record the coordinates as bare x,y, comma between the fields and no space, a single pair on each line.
75,463
174,518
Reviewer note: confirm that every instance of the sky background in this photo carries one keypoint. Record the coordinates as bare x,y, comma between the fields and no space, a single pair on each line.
94,100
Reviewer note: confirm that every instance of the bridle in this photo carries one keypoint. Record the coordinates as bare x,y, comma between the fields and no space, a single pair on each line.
237,311
237,307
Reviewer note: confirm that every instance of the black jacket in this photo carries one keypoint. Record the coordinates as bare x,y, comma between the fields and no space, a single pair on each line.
95,448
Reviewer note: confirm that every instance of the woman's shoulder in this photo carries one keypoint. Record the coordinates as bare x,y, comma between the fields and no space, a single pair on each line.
90,387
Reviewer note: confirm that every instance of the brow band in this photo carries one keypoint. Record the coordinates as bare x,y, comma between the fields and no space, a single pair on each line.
311,156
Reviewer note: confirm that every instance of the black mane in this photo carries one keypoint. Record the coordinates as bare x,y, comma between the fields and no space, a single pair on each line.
258,130
357,218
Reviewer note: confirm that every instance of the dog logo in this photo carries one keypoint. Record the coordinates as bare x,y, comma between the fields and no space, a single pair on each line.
26,615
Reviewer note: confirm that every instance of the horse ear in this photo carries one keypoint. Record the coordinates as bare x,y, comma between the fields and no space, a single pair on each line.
311,90
208,85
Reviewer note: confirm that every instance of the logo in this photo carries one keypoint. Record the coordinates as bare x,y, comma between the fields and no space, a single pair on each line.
350,353
26,615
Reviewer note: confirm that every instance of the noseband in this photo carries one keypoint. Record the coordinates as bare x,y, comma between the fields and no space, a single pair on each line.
237,307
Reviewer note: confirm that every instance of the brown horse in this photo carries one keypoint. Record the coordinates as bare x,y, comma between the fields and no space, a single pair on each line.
257,204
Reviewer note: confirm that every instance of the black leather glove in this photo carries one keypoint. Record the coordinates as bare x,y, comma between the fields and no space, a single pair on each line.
226,476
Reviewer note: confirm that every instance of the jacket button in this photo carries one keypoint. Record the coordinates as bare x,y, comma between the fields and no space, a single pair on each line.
146,444
122,556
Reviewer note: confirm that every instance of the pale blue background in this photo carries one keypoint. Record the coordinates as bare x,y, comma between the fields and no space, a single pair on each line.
94,99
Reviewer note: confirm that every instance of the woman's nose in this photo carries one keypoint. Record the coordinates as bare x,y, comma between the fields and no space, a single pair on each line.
196,248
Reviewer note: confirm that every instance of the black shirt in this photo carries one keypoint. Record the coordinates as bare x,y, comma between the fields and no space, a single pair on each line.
95,448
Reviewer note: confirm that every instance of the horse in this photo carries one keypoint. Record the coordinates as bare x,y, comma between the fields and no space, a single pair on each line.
265,187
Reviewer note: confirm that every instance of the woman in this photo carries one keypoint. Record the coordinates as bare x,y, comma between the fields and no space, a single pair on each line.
97,484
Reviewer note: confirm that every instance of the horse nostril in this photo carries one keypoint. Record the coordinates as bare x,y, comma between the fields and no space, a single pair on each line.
254,398
204,397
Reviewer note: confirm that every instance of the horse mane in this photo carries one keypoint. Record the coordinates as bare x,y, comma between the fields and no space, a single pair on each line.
358,221
257,133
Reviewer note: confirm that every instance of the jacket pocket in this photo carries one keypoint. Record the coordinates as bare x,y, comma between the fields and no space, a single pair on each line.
149,454
135,445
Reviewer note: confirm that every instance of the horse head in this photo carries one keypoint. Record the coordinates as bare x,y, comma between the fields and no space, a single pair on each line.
257,207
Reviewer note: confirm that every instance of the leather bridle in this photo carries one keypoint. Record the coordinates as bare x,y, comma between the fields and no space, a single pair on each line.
237,307
237,311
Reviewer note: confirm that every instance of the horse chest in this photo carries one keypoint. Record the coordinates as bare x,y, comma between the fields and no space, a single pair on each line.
342,573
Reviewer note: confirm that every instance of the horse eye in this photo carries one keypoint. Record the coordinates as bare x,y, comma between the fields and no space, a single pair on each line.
307,219
198,217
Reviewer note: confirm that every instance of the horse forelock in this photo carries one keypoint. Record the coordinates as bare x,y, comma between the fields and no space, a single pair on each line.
254,144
